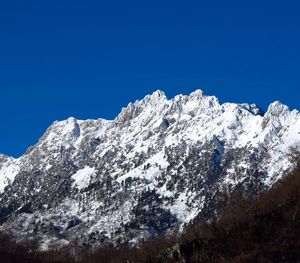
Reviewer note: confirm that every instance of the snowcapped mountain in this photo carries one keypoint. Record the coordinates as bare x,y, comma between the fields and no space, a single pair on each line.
160,164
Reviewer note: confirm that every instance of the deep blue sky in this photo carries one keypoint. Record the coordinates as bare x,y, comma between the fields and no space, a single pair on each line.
87,59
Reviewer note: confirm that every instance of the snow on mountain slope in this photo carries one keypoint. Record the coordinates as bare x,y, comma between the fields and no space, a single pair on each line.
158,165
9,168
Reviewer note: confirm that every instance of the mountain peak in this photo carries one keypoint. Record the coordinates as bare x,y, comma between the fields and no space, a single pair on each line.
197,93
277,109
158,93
155,97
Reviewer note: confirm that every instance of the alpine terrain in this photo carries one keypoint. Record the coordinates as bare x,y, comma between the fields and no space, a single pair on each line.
158,165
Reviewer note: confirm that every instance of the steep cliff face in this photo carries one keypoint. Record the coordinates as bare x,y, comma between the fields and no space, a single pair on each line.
158,165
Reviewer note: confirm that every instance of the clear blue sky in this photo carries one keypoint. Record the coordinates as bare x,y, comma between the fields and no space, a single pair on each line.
87,59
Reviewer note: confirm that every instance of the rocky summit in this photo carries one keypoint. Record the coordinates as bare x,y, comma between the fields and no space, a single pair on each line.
158,165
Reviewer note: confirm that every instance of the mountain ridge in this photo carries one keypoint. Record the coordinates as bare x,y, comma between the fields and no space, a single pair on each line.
160,93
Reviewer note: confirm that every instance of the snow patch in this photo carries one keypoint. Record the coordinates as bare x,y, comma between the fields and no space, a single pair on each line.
8,173
82,177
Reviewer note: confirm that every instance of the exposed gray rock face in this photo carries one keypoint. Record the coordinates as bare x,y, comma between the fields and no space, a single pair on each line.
158,165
